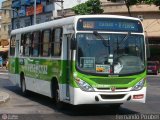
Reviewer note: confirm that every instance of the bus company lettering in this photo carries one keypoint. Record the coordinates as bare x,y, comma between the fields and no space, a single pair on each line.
35,68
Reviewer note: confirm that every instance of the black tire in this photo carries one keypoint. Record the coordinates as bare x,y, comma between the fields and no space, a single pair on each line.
115,106
23,86
59,104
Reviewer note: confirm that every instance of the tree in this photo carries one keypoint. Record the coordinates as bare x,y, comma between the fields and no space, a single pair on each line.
89,7
94,6
130,3
156,2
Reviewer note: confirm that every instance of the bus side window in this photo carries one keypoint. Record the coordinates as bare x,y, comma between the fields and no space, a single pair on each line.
35,44
12,45
56,42
45,43
26,46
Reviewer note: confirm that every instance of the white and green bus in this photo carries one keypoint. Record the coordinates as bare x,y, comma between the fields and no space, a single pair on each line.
88,59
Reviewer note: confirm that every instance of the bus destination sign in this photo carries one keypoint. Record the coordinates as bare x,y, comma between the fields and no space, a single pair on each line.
109,24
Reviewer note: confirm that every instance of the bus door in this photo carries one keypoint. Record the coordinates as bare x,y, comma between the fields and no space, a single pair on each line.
14,53
13,58
18,38
68,66
67,56
68,31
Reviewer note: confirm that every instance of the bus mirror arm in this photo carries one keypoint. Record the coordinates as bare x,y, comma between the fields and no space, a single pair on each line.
73,43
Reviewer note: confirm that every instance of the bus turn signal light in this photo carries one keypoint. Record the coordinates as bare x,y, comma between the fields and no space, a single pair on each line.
138,96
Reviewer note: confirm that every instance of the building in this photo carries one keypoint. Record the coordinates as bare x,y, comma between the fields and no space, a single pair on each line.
46,11
67,4
24,14
0,23
5,28
6,20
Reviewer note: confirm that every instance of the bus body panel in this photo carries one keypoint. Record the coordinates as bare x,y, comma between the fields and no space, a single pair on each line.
39,71
81,97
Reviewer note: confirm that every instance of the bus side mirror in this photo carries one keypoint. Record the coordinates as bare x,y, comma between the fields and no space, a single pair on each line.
73,43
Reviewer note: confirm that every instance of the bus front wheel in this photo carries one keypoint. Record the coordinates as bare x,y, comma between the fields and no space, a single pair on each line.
59,104
23,85
115,106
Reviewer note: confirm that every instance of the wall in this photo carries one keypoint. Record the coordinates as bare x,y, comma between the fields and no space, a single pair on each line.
26,11
6,20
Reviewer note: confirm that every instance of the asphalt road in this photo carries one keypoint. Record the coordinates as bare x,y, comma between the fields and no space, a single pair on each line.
38,107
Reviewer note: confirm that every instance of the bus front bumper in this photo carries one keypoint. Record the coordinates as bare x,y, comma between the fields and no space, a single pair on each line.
78,97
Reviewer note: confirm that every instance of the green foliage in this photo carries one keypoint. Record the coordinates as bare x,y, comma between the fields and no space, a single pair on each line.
156,2
148,1
94,6
131,2
89,7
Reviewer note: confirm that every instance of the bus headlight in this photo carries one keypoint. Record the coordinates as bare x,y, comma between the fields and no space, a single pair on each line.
83,85
138,86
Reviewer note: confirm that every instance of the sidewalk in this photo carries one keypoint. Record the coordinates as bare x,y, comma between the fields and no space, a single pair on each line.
3,70
3,95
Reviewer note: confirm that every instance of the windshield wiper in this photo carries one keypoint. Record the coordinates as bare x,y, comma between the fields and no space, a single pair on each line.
98,35
105,42
122,42
101,37
125,38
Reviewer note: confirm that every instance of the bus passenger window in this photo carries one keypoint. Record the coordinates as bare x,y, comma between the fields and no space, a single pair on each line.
45,43
22,44
27,41
12,45
35,44
56,42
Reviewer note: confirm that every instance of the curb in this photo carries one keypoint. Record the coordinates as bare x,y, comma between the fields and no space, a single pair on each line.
3,97
2,73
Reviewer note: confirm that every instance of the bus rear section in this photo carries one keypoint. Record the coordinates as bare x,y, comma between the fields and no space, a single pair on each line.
110,61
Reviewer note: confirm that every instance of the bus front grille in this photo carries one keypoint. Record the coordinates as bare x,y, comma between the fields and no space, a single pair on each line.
112,96
124,88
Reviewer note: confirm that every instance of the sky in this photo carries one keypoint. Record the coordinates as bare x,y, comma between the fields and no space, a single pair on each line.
1,2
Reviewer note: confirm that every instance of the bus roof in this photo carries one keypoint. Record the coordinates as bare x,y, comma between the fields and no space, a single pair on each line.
65,21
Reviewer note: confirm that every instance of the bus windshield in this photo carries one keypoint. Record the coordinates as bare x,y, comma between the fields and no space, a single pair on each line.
114,54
